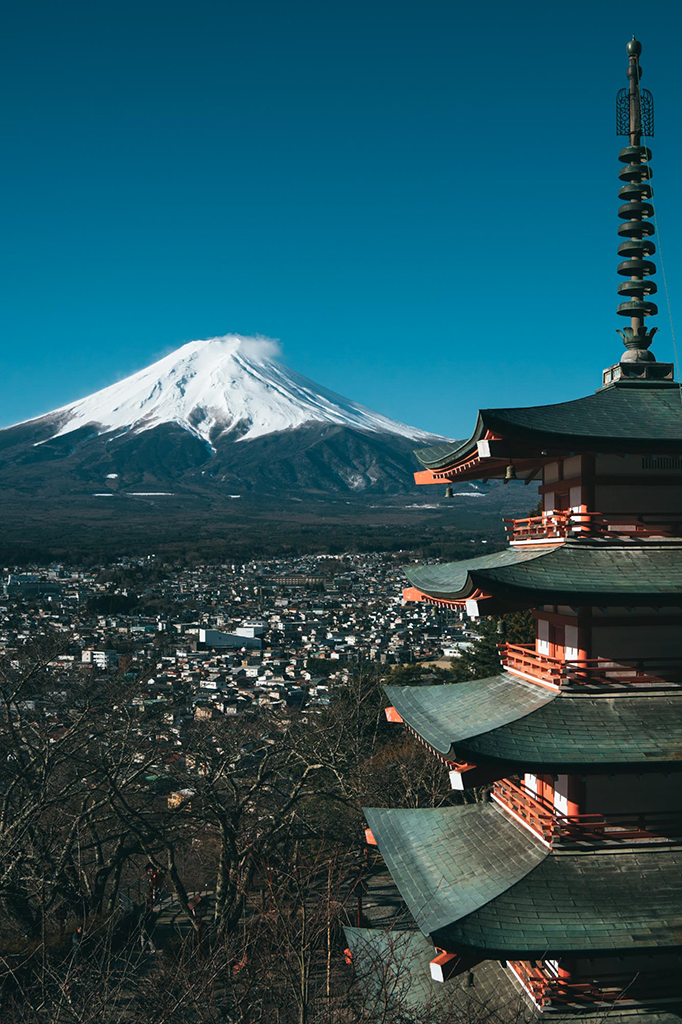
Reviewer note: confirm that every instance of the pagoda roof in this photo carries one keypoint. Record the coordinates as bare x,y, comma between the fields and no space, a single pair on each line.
397,963
576,572
478,883
505,719
624,417
491,993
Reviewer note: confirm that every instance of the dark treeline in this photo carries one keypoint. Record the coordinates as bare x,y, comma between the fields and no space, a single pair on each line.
247,545
212,540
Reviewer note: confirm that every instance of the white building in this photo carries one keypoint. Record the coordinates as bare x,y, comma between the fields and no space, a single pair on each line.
216,638
101,659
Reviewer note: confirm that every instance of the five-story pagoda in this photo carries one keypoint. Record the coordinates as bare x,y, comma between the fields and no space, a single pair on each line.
564,888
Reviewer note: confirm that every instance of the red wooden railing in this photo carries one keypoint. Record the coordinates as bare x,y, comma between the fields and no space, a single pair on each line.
548,989
533,812
524,660
549,526
585,828
557,526
597,673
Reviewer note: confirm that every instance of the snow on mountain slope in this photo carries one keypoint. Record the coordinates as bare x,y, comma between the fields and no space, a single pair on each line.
211,387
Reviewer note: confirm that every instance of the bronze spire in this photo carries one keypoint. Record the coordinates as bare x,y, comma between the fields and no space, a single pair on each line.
634,117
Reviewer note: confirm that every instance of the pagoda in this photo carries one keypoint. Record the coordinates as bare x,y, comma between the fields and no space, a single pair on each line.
556,895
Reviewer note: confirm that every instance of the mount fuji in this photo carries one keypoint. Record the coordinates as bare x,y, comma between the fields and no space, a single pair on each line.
219,417
222,386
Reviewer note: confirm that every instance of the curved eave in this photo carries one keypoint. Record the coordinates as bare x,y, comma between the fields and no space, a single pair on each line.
448,862
644,419
446,716
573,573
518,726
442,456
480,885
460,581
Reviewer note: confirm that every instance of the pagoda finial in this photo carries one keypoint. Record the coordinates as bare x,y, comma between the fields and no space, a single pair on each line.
634,117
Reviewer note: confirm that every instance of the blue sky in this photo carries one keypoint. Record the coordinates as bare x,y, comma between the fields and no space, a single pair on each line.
418,199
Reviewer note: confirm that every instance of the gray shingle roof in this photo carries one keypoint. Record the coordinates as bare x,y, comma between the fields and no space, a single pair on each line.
445,716
448,862
394,965
606,901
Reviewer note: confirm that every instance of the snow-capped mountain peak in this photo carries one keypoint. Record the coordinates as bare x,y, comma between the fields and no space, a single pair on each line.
213,386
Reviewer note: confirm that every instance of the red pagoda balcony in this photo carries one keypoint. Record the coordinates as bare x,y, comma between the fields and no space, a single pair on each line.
523,660
557,527
558,829
596,673
548,988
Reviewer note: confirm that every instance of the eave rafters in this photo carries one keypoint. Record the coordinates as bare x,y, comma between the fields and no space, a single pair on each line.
414,594
490,457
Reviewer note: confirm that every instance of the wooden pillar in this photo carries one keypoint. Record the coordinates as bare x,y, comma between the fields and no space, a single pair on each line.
546,789
588,464
576,795
584,634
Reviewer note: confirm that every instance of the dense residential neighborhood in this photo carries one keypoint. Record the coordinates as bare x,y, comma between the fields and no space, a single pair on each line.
273,633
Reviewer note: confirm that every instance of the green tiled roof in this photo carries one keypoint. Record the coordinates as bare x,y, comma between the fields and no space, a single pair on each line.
446,716
474,880
455,577
448,862
618,418
586,572
583,903
396,964
506,719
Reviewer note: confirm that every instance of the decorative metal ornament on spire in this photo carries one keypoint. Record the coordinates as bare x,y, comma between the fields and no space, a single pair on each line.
635,117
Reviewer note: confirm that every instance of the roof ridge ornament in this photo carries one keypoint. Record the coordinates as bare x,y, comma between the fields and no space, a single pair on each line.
637,341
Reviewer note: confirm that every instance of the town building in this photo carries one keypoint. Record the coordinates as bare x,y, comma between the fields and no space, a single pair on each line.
217,638
101,659
26,584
